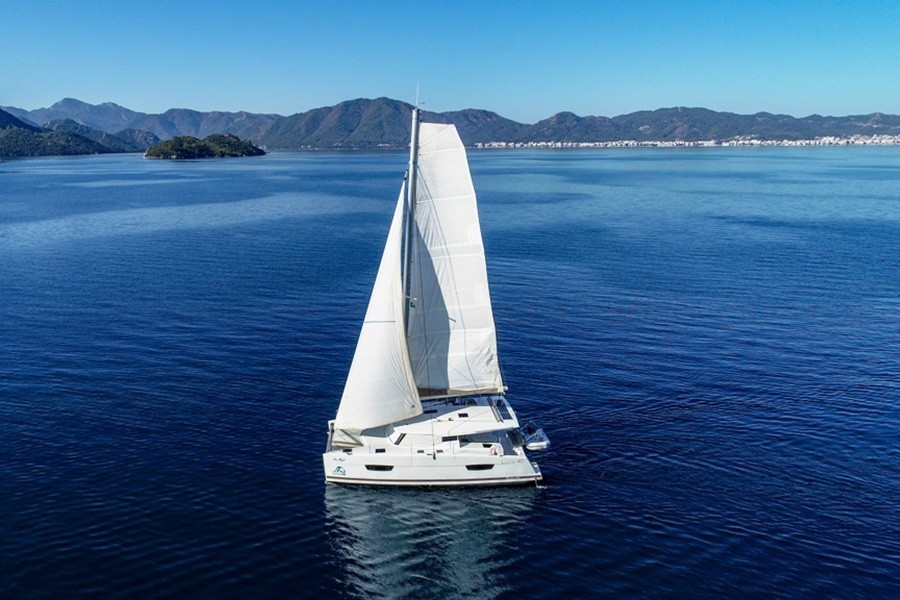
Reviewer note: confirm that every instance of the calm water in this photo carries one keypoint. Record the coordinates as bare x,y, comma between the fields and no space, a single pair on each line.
711,339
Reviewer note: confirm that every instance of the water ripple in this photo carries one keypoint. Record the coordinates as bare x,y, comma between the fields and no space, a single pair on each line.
713,353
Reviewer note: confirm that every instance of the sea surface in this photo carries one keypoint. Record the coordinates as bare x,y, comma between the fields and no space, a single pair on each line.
710,337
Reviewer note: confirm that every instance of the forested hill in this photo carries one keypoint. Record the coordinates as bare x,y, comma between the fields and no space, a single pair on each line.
384,123
216,145
18,138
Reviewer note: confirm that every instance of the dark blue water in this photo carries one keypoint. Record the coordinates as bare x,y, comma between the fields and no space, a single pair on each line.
711,339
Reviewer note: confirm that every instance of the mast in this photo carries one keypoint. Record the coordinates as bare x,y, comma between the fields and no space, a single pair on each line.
410,213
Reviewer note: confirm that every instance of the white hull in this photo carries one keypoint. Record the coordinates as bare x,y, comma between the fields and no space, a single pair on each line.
458,442
450,473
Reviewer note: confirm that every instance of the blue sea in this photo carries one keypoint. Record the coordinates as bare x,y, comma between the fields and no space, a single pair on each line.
710,338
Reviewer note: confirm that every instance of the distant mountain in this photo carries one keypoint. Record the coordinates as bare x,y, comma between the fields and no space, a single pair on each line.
569,127
352,124
384,123
18,138
693,124
379,123
106,117
138,138
63,136
182,121
475,125
690,124
112,118
112,142
8,121
19,113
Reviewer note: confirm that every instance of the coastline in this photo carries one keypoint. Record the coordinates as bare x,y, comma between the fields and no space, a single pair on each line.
853,140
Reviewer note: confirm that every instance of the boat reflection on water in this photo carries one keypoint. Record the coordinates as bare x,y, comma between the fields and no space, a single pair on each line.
415,543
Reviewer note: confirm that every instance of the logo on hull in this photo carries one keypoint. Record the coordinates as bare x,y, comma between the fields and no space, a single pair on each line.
339,470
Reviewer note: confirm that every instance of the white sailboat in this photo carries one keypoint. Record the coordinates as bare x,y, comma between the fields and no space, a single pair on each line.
424,399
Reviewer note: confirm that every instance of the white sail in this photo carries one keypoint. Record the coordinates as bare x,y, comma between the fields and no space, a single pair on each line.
451,335
380,388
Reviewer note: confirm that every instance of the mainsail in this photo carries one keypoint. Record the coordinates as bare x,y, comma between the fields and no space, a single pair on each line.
450,332
448,344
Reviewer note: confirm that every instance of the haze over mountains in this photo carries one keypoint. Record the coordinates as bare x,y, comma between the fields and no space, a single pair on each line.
384,123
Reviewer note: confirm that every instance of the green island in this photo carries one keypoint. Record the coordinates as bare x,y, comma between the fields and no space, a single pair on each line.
218,145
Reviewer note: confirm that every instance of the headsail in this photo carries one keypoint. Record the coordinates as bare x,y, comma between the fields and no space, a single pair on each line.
380,388
451,335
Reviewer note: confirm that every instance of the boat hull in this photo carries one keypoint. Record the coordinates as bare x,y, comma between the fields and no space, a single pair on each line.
443,471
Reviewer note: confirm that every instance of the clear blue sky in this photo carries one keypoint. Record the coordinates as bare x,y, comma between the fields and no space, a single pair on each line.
524,60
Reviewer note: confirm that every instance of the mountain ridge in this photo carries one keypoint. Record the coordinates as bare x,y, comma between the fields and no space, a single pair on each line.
364,123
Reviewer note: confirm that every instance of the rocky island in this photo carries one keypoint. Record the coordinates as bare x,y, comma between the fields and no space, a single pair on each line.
218,145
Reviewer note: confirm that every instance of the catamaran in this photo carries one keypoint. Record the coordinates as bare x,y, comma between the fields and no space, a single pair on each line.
424,402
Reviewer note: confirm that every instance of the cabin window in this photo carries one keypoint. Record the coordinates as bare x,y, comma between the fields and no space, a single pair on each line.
486,445
503,409
348,450
479,467
379,467
463,415
439,451
379,450
420,451
400,439
430,411
449,438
